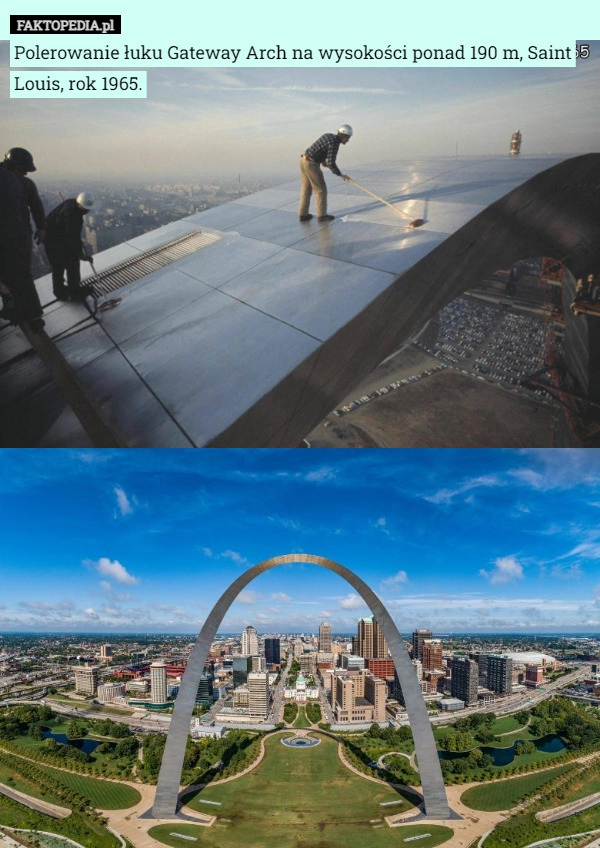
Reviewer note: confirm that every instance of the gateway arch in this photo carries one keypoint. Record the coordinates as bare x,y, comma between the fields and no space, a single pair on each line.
167,790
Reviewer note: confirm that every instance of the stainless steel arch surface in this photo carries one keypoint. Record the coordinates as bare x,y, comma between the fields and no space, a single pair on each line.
167,790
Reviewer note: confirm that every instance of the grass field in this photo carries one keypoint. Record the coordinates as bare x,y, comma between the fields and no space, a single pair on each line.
506,741
103,794
301,798
165,833
301,720
504,794
506,724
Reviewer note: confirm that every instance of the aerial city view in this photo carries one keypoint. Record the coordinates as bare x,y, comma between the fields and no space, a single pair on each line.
289,648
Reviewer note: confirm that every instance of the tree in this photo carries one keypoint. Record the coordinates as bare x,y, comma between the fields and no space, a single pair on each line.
76,729
127,747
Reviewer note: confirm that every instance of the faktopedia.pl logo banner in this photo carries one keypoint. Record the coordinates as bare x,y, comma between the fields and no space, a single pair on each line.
65,25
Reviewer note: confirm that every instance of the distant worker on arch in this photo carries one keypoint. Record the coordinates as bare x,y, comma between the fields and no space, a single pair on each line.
322,152
64,247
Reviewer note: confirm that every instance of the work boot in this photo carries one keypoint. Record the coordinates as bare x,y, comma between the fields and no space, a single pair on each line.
325,218
62,294
79,295
37,325
306,217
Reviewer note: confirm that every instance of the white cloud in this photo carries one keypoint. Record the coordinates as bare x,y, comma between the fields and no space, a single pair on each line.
505,569
587,550
351,601
446,496
396,580
321,475
234,556
381,524
247,597
114,570
124,504
281,597
572,572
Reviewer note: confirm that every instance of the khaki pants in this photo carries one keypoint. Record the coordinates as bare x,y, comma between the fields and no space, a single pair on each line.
312,179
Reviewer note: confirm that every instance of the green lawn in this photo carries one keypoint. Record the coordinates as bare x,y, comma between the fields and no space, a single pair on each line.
301,720
506,741
301,798
165,833
11,777
506,724
103,794
504,794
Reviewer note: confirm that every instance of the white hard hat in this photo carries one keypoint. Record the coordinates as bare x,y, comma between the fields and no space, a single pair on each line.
345,129
85,200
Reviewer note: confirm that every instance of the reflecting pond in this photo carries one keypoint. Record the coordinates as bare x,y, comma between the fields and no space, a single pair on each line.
550,744
88,746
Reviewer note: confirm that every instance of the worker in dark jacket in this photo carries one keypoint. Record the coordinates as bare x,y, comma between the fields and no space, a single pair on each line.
19,295
64,247
20,162
322,152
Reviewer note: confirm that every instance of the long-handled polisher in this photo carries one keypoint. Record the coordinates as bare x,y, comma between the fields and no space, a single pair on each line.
417,222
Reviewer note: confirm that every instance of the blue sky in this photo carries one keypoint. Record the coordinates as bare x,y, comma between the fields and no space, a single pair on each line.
254,122
458,540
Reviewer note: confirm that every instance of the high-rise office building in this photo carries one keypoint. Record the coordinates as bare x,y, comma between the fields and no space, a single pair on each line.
87,679
499,674
272,652
370,642
249,641
258,694
359,696
258,663
242,665
106,652
465,675
325,637
375,693
432,654
204,695
417,641
158,682
352,662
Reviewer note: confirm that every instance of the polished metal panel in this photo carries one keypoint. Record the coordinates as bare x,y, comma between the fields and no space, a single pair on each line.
226,216
213,359
231,257
312,293
386,248
150,301
128,405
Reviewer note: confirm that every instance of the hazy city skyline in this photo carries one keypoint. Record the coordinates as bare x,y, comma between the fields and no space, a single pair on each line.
202,122
146,541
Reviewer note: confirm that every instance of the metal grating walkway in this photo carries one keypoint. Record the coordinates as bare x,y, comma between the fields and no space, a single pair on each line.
139,266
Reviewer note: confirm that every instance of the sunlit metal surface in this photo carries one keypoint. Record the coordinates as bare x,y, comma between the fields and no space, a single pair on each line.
247,339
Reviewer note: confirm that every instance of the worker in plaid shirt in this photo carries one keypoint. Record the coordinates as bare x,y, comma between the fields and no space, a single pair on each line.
322,152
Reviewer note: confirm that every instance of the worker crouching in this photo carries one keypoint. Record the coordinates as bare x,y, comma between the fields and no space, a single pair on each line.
64,247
